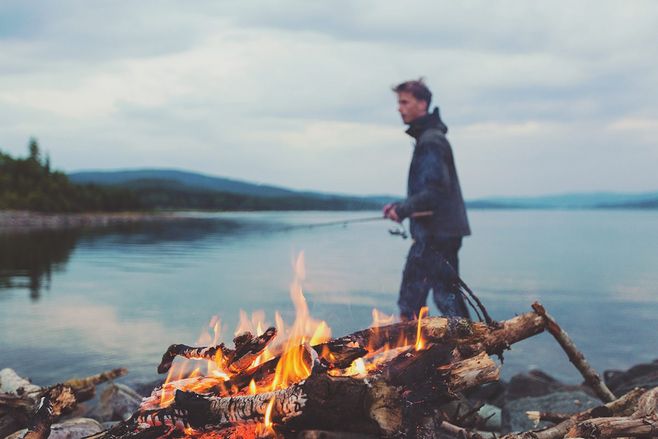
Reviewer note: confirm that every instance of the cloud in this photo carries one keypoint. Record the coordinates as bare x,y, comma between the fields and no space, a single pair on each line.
278,92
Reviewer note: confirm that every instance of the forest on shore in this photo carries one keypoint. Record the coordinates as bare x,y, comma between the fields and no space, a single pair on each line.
29,183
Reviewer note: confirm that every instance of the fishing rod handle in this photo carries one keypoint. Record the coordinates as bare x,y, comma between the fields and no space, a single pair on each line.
421,214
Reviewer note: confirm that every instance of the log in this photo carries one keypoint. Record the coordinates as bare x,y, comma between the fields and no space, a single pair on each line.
247,348
85,388
643,421
24,401
57,400
575,356
470,337
613,408
368,405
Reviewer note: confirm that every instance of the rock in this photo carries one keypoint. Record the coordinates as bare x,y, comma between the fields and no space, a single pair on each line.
643,375
491,393
116,403
537,383
514,417
11,382
145,389
71,429
492,417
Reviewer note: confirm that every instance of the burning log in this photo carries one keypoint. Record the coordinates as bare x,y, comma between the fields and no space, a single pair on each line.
373,404
247,348
397,375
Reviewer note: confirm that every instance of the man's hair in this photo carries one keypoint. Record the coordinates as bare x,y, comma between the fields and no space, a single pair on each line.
417,88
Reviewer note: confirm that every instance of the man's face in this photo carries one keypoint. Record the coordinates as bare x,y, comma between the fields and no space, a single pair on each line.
409,107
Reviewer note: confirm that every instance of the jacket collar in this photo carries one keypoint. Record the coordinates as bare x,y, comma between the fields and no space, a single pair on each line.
429,120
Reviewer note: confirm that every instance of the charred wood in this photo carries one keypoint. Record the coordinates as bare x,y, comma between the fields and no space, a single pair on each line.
247,348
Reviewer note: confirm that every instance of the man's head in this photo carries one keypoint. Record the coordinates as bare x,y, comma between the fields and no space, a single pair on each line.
413,99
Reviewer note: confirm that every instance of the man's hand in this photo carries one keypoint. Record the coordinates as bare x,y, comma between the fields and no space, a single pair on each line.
390,212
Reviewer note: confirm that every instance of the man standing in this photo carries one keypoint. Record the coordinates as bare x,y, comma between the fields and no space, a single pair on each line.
432,186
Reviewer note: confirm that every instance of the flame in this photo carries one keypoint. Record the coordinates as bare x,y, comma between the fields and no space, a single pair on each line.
292,346
420,343
268,413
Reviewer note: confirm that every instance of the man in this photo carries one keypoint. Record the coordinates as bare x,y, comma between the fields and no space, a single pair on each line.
433,187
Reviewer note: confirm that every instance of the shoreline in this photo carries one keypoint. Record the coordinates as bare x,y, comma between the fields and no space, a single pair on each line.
23,220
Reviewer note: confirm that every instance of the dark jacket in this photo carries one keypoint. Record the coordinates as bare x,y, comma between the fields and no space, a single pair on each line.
433,184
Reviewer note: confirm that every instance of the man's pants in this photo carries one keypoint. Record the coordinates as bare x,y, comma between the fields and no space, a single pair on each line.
427,269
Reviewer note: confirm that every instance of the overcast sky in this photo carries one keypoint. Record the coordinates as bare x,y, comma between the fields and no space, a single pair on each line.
539,97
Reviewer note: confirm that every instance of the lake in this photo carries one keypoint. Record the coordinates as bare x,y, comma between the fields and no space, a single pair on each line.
78,302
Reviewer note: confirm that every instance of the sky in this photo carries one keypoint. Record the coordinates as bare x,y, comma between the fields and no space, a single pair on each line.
539,97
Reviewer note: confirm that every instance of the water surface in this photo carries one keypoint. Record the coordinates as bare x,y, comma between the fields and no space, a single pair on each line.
76,302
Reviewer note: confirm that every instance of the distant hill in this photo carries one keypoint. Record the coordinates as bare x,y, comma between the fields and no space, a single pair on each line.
188,179
592,200
174,189
202,188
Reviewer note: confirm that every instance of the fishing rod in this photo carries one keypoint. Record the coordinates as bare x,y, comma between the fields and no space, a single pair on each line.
400,231
461,286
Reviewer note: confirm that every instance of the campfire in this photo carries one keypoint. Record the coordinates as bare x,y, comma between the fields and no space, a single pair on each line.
389,380
284,379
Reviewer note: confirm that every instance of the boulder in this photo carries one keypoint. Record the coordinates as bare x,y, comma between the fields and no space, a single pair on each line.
514,417
642,375
116,403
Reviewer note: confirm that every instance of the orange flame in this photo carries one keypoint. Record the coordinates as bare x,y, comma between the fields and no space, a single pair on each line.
420,343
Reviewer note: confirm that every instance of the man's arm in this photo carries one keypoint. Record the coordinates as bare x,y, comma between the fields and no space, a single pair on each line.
434,180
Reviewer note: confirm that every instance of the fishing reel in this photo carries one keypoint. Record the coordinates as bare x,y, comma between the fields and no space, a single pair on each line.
400,231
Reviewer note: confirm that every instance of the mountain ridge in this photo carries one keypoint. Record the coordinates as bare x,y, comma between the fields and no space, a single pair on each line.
192,181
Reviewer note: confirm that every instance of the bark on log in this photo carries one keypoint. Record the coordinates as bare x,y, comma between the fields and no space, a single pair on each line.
575,356
470,337
57,400
643,422
623,405
85,388
247,348
368,405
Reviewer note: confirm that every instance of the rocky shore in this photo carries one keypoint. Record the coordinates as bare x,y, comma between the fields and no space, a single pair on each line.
500,407
20,220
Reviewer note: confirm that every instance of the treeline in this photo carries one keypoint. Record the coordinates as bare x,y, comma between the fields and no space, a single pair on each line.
30,184
166,194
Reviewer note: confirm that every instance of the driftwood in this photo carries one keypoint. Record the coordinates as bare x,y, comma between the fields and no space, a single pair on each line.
470,338
25,404
575,356
384,402
643,421
614,408
370,405
55,401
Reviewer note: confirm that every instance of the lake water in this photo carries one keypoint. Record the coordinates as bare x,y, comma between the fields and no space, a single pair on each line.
74,303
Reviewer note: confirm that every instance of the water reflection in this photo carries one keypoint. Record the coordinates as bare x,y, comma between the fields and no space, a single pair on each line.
28,259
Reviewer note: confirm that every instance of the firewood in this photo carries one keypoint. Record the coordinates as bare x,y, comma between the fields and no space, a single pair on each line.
620,406
575,356
57,399
368,405
470,337
643,421
247,348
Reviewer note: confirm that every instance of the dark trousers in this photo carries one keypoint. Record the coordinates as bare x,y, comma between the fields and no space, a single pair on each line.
426,269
